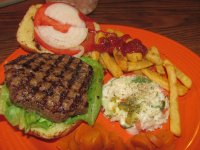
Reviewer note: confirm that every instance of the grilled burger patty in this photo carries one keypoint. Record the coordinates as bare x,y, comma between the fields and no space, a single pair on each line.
52,85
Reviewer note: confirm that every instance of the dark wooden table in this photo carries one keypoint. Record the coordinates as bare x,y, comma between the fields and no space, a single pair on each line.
176,19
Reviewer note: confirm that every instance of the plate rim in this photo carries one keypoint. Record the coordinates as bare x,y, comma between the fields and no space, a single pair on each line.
195,139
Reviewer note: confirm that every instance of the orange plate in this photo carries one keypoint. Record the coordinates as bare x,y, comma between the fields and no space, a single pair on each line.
183,58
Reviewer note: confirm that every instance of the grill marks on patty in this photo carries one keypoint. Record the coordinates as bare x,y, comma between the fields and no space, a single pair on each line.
55,86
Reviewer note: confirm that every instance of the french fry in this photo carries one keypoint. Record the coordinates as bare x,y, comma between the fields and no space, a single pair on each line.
120,60
110,30
119,33
128,40
132,66
160,69
102,62
181,76
87,54
154,58
98,36
163,82
96,26
138,72
134,57
154,76
175,124
154,50
95,55
111,65
167,62
0,88
182,90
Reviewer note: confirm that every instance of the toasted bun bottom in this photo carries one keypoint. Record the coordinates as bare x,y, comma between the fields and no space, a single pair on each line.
25,32
56,131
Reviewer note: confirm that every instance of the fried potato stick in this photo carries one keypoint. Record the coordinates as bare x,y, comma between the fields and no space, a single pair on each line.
95,55
181,76
119,33
182,90
111,65
138,72
132,66
175,123
154,58
163,81
98,36
154,50
154,76
134,57
184,78
102,62
120,60
160,69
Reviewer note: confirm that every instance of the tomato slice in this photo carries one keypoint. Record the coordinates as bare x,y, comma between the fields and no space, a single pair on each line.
41,19
88,21
89,43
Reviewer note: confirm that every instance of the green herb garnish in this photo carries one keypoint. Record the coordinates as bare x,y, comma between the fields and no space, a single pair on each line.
141,79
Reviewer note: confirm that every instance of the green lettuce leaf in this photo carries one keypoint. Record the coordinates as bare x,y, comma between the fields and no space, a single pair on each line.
18,116
25,120
3,99
94,94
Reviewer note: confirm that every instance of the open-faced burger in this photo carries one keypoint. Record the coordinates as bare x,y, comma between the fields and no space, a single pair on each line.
56,28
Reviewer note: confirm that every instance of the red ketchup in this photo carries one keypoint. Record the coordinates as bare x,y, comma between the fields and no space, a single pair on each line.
112,41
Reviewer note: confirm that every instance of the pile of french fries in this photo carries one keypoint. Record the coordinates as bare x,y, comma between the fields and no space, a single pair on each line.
164,73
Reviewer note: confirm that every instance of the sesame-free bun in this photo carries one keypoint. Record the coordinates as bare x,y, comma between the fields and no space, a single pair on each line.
56,131
25,32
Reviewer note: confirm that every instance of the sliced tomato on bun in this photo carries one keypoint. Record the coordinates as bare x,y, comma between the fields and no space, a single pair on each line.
88,21
59,28
41,19
89,43
54,50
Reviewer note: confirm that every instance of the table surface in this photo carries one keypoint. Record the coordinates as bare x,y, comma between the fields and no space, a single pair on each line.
177,19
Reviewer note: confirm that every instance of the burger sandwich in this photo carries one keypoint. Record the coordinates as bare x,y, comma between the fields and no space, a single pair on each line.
47,95
49,92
